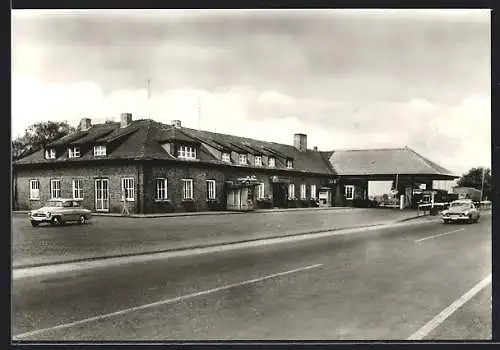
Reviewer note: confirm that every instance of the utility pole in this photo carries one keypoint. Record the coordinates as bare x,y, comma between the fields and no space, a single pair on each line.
482,184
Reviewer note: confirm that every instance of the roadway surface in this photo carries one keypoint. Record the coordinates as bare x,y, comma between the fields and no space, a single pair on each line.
107,236
389,283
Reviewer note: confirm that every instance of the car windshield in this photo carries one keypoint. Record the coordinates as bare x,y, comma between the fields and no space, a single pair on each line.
460,205
54,204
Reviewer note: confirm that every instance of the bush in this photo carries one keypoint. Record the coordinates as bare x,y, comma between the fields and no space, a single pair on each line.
189,206
165,207
291,203
264,203
304,203
215,205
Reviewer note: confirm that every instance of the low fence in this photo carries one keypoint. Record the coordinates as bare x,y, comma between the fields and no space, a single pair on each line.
434,209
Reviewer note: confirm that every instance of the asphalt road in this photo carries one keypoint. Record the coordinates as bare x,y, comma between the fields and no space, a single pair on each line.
107,236
378,285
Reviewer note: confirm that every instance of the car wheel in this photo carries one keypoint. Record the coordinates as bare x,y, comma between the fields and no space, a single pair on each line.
82,220
476,220
35,223
56,220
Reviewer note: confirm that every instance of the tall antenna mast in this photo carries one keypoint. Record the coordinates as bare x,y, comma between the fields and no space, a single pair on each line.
199,112
149,97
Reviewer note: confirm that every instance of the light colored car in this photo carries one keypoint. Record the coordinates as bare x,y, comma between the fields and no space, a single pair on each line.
59,211
462,210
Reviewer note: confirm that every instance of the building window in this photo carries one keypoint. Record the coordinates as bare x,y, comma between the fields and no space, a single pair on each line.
74,152
349,192
226,157
260,190
187,152
77,189
210,189
161,189
55,189
100,150
291,191
34,189
243,159
289,163
272,162
303,191
187,189
128,189
50,153
258,160
313,191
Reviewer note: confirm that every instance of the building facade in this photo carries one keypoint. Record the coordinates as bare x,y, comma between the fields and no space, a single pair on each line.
150,167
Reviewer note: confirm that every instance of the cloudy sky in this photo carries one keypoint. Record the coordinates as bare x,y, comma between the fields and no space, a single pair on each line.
347,78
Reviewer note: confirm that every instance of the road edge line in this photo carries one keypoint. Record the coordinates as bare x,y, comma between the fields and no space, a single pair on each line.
452,308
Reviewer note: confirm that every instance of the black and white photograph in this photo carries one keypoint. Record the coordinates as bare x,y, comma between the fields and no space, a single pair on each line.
251,175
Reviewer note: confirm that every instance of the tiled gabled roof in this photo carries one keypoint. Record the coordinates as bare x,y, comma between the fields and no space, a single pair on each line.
143,139
384,161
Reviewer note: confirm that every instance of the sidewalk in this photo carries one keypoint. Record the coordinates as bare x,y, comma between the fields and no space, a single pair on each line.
202,213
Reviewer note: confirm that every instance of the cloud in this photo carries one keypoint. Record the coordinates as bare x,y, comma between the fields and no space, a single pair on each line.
455,136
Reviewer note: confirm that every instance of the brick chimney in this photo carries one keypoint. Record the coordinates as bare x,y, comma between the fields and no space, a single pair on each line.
125,119
176,123
85,124
300,142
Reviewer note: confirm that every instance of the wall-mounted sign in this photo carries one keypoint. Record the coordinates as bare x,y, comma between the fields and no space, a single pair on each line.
281,179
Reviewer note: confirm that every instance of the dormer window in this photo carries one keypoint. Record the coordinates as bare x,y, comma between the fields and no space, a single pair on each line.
226,157
187,152
74,152
258,160
50,153
289,164
272,162
243,159
100,150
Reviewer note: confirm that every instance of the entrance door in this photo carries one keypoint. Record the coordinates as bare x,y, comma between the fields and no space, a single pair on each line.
101,195
279,195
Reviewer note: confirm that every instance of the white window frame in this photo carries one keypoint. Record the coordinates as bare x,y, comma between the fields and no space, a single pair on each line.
289,164
291,191
351,188
211,189
187,152
55,189
35,190
78,189
128,189
314,194
226,157
243,159
271,162
50,153
260,191
161,191
303,191
100,150
259,162
74,152
187,192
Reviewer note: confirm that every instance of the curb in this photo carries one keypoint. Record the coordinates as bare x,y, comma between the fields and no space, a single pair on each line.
199,246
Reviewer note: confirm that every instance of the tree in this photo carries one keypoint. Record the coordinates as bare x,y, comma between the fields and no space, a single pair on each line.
474,177
38,136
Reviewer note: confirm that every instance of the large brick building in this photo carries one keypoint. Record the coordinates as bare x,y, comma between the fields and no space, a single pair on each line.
153,167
